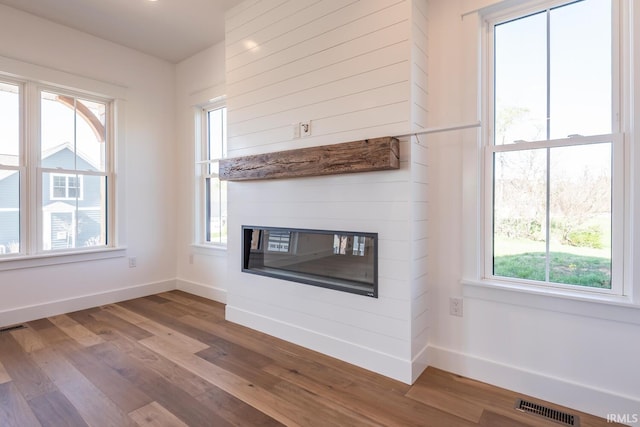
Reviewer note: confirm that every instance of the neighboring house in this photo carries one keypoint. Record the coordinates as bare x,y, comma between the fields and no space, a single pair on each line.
9,213
71,204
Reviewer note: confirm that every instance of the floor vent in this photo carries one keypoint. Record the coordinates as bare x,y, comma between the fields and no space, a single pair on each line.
11,328
548,413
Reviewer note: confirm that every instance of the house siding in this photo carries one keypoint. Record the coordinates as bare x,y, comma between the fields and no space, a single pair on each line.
87,207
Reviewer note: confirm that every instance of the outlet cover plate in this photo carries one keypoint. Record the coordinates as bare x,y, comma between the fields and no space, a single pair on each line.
455,306
305,128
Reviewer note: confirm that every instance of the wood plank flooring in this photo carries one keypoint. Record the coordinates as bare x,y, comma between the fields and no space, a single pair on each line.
172,360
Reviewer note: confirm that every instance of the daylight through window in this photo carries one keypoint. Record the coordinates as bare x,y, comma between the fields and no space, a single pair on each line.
53,189
213,223
553,156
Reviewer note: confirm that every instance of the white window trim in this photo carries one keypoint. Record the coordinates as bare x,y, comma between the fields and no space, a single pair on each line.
17,262
22,72
623,308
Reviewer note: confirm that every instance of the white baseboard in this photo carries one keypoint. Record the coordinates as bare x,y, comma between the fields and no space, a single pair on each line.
38,311
563,392
367,358
205,291
420,363
53,308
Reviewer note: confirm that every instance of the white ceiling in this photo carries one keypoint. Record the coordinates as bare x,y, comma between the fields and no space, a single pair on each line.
169,29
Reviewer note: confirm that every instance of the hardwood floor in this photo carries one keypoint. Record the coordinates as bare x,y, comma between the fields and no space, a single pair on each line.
172,360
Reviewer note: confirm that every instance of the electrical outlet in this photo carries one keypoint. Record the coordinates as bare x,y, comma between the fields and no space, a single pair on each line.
133,262
455,306
295,130
305,128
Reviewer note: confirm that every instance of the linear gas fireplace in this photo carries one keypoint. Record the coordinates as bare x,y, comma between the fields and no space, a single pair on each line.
343,260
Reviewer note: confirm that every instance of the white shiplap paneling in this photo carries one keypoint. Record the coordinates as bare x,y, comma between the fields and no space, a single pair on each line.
351,50
349,67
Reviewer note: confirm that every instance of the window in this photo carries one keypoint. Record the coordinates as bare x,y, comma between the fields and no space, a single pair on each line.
212,228
554,181
10,166
55,167
66,187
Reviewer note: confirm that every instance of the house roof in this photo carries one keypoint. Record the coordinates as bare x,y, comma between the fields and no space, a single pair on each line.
57,148
46,154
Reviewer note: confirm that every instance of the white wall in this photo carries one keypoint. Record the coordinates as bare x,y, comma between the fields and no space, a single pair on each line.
579,354
348,67
200,270
150,212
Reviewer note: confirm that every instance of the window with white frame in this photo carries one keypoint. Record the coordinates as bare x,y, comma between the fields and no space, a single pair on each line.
10,167
66,187
55,167
554,152
212,223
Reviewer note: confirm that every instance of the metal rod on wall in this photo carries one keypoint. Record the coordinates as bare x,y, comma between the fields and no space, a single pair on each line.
441,129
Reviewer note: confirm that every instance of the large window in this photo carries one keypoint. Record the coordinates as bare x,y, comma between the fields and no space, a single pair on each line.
55,167
212,227
10,167
554,155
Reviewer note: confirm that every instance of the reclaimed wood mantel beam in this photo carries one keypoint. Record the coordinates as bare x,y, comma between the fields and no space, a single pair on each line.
357,156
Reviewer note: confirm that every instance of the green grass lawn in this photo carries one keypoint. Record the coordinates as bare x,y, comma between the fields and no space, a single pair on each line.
568,265
564,268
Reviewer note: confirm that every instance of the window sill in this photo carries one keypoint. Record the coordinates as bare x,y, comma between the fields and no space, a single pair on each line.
42,260
607,307
213,249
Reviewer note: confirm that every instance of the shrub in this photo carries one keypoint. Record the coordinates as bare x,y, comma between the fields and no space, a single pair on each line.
590,237
520,228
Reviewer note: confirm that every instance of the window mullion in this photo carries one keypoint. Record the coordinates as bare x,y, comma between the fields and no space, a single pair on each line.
564,142
32,194
110,178
619,69
204,219
76,148
548,219
62,171
547,238
207,210
548,53
618,221
22,174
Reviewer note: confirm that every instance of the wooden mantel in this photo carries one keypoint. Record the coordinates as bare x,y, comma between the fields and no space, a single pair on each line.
356,156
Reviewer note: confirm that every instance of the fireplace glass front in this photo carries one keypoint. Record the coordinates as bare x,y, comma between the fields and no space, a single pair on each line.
341,260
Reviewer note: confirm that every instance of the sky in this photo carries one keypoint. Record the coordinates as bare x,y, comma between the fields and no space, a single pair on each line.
580,72
57,125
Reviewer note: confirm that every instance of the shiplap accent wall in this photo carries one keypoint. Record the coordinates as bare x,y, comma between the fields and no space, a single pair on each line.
419,190
347,66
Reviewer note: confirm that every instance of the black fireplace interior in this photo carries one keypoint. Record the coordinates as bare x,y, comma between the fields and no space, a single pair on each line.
341,260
